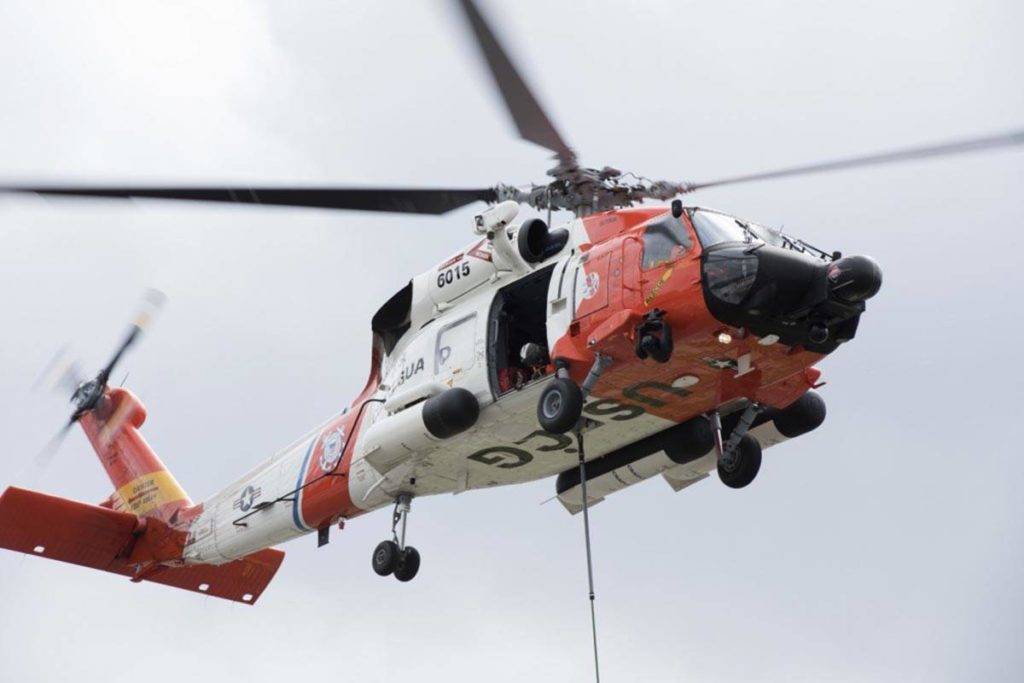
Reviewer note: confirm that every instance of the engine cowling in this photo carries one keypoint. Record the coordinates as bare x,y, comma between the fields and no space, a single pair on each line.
536,243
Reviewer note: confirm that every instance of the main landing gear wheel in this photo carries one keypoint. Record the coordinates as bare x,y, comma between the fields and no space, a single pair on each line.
408,564
394,556
739,468
386,558
560,405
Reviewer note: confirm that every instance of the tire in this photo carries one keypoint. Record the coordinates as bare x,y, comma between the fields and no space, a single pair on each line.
408,564
560,406
746,463
385,557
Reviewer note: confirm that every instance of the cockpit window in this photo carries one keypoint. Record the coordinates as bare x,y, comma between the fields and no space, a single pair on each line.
666,239
730,272
772,237
714,228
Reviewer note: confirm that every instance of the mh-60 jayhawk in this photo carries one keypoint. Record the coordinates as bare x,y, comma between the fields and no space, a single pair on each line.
629,342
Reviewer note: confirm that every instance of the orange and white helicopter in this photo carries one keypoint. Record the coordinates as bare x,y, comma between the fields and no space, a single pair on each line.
665,340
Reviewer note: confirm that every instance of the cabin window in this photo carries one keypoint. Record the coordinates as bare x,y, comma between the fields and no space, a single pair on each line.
456,346
666,239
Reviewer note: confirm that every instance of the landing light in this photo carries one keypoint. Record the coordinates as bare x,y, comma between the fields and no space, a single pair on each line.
724,338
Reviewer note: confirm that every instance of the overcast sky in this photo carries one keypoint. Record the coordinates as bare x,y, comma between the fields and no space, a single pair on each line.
887,545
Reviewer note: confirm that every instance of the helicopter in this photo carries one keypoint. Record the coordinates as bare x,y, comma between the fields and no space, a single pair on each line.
630,342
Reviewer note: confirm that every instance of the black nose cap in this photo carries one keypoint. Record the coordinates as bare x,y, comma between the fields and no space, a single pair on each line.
854,278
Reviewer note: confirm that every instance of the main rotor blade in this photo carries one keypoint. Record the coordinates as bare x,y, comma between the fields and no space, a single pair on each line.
427,201
945,149
531,120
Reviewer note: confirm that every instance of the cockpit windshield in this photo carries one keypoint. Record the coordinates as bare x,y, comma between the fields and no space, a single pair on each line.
714,228
765,234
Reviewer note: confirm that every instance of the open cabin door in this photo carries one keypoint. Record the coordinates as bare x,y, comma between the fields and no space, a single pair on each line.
518,317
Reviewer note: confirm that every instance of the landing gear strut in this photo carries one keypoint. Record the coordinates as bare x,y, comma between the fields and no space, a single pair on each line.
739,458
394,556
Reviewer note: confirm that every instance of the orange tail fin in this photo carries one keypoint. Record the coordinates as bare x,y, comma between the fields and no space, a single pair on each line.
142,484
138,531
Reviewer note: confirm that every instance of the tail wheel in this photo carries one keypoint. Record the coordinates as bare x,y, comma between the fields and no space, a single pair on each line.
385,557
408,564
742,466
560,405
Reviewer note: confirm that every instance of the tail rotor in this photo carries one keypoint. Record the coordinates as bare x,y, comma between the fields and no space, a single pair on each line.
64,374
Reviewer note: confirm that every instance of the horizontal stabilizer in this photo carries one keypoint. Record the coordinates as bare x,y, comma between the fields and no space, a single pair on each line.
65,530
242,580
97,537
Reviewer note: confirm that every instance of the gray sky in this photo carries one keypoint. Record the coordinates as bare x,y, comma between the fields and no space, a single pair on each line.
885,546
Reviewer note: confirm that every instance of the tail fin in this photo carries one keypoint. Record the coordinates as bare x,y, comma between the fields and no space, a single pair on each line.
142,484
137,531
123,543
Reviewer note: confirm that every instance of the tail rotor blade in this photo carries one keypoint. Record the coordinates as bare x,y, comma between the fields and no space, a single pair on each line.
152,302
62,372
87,394
44,457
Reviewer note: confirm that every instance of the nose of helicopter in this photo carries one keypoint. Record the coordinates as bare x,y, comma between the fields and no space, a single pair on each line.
854,278
799,298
